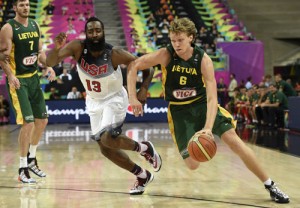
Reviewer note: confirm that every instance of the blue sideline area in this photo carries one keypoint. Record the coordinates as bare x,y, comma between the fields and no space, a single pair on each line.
74,111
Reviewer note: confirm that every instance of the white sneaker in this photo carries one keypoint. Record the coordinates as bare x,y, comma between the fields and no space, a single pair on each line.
24,176
152,156
141,183
33,167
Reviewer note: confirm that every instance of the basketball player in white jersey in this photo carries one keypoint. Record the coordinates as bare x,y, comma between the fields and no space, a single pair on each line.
107,100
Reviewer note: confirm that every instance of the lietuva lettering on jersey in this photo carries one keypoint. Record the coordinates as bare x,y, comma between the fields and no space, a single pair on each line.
180,69
184,93
93,69
27,35
29,60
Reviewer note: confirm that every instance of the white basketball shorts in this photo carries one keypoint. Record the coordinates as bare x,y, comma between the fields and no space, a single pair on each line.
107,113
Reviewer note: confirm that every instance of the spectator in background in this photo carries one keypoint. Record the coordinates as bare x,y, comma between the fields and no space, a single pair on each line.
220,38
285,87
267,80
53,94
65,76
70,18
221,88
71,30
76,12
64,9
49,8
274,107
263,93
232,85
81,17
248,84
165,31
289,81
165,22
74,94
4,110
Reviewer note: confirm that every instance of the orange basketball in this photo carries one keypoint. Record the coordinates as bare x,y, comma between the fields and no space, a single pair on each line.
202,149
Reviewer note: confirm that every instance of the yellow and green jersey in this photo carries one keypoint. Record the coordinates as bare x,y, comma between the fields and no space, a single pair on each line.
182,80
25,48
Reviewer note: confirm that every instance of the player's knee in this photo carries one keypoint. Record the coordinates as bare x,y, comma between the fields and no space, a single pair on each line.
235,143
106,139
41,123
104,150
27,126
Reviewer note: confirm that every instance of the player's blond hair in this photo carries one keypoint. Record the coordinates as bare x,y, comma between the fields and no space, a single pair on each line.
184,25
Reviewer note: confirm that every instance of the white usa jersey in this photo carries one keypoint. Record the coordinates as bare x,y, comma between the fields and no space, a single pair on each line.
98,75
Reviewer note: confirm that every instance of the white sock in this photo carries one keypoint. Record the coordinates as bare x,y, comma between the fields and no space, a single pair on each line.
23,162
143,147
32,151
142,174
268,182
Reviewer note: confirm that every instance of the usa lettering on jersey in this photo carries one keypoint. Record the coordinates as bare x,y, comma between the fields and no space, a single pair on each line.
93,69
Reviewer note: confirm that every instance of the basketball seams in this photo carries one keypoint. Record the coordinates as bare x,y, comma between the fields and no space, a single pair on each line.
202,149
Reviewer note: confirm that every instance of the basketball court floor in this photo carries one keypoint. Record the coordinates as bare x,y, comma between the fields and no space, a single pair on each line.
78,176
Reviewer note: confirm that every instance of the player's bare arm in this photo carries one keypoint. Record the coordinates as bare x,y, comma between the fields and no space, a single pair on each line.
120,56
3,57
62,50
42,59
160,56
6,36
207,70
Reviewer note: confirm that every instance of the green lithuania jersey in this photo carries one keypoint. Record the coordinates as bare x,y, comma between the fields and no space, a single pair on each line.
25,47
182,80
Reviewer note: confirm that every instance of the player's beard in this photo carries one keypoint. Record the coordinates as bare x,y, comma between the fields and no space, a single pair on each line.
22,14
96,46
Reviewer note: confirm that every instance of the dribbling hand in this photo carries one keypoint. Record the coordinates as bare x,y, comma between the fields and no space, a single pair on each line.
205,133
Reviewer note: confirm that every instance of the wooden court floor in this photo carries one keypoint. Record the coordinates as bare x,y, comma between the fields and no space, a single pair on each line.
78,176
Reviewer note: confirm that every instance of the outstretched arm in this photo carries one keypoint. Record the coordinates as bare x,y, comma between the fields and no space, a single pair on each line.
144,62
147,77
62,51
42,59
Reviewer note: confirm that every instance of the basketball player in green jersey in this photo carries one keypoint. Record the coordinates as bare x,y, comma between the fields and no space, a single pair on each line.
190,87
21,39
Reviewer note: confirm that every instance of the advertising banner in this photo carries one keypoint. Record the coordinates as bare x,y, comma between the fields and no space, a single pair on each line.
74,111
